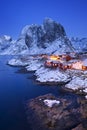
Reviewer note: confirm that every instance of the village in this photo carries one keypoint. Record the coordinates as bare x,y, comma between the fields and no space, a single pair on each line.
65,61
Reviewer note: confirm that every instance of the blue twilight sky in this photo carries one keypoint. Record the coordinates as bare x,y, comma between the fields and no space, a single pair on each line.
15,14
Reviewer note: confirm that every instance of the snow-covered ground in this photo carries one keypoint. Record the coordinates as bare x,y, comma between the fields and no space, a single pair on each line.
77,83
80,44
34,65
17,62
51,75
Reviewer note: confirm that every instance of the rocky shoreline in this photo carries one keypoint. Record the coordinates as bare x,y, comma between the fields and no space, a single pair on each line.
74,80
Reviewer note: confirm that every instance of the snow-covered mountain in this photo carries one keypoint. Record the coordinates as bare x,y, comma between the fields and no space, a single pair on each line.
48,38
12,47
80,44
5,42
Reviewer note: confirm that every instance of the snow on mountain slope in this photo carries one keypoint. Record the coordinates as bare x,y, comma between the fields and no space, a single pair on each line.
79,44
50,37
13,47
47,38
5,42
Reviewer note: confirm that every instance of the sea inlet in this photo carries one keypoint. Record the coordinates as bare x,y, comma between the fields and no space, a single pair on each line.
15,89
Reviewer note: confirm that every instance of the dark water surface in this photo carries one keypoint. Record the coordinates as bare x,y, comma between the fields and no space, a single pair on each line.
15,89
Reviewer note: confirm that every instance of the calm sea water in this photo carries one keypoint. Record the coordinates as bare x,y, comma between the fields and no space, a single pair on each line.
15,89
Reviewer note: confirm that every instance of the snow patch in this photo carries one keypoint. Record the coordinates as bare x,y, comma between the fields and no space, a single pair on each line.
50,103
86,96
7,37
85,90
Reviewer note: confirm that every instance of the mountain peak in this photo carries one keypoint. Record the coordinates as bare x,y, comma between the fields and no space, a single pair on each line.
53,27
48,38
41,34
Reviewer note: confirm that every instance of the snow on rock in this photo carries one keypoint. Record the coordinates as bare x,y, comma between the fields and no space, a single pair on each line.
80,44
76,73
34,65
48,75
12,47
31,63
5,42
24,30
86,96
77,83
8,38
50,103
16,48
47,38
58,46
17,62
41,34
85,90
85,62
5,38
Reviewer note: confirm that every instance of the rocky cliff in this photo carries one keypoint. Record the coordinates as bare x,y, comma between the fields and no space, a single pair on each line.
48,38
